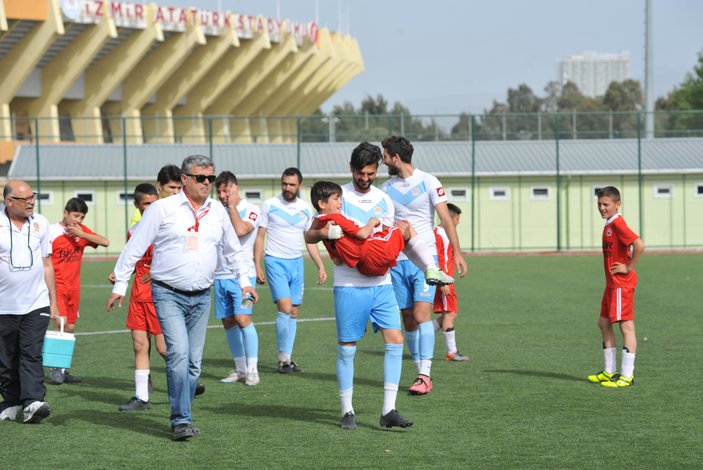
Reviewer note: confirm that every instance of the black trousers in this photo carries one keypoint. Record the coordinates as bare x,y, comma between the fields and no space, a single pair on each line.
21,370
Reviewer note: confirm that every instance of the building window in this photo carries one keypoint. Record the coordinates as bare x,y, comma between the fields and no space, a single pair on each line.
698,190
124,198
540,193
458,194
87,196
46,198
499,193
254,195
663,191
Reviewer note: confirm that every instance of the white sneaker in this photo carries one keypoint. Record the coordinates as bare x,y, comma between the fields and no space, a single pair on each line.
233,377
36,411
9,413
252,379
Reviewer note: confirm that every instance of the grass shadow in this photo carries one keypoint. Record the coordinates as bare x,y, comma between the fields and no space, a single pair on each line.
535,373
142,423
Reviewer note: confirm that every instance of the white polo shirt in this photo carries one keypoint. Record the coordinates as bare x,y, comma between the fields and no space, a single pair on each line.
23,290
184,258
285,223
251,214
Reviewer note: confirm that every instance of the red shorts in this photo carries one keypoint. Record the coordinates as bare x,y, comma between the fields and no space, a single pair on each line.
142,317
445,303
618,304
67,302
380,252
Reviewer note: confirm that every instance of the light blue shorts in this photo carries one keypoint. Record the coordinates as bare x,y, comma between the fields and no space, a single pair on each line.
355,306
228,298
286,278
410,286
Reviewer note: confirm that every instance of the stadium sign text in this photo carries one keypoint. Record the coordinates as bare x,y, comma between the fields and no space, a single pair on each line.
138,16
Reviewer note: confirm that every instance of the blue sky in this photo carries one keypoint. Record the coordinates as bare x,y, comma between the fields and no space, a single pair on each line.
451,56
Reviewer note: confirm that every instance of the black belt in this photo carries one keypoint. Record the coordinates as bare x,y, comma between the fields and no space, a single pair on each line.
189,293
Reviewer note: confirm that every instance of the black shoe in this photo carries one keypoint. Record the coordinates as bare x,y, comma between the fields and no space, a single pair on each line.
183,431
295,367
56,377
196,431
393,418
199,389
70,379
349,421
135,404
284,368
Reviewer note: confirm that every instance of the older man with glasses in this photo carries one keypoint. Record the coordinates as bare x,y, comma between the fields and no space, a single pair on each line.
28,293
186,230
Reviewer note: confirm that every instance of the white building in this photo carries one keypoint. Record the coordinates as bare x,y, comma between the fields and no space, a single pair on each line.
592,72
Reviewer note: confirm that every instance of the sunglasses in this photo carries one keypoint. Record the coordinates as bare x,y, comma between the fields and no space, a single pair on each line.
202,178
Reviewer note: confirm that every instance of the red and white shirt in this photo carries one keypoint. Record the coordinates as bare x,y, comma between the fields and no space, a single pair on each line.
617,239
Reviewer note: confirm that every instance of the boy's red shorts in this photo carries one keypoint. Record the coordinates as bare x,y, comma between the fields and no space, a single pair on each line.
445,303
67,302
142,317
618,304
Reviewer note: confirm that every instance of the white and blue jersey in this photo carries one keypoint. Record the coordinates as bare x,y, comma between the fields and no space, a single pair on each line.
285,223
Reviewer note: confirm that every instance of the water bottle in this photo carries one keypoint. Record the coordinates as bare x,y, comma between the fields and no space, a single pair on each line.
248,300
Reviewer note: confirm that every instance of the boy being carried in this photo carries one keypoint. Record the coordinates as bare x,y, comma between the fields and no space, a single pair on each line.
371,253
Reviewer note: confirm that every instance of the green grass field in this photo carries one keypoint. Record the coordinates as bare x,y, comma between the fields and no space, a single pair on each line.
529,324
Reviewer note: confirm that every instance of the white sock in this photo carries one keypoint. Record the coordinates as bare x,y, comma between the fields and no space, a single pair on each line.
425,366
283,357
609,354
252,365
450,338
240,364
627,365
390,393
141,380
346,397
420,254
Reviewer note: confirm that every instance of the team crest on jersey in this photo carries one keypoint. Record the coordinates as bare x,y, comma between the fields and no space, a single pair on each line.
378,210
608,231
440,192
36,227
415,191
252,216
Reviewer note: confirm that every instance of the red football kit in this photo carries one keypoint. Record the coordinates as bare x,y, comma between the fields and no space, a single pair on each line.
371,257
619,296
445,261
66,257
142,314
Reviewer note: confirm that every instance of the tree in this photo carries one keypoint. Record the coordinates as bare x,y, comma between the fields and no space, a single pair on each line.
685,104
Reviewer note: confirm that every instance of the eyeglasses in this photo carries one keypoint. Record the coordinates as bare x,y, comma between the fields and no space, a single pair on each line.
202,178
14,268
26,200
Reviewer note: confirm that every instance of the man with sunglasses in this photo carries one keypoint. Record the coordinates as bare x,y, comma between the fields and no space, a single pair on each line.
28,293
188,230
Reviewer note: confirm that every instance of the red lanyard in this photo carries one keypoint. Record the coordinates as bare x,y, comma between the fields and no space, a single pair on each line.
197,217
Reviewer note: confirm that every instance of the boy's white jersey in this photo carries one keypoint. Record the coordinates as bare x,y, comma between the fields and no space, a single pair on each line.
251,214
414,199
285,223
360,207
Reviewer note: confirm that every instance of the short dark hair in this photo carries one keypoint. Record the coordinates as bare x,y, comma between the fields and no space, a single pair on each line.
226,177
321,191
453,208
365,154
400,146
292,171
168,173
144,189
76,204
609,191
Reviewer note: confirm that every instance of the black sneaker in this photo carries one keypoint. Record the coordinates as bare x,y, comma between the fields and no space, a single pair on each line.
196,431
349,421
295,367
199,389
183,431
135,404
70,379
284,367
393,418
56,377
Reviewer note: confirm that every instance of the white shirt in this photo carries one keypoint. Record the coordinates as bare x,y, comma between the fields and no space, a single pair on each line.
360,207
414,199
251,214
23,291
285,223
183,258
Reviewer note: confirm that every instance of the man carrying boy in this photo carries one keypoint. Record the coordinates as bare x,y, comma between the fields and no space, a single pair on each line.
68,238
242,338
618,304
445,298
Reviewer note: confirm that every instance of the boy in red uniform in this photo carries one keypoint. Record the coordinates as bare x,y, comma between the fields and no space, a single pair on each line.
618,301
373,254
445,303
68,240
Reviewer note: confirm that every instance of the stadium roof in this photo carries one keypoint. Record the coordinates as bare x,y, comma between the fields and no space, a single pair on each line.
330,160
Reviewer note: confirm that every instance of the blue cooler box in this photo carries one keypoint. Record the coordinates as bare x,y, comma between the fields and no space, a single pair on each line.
58,349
